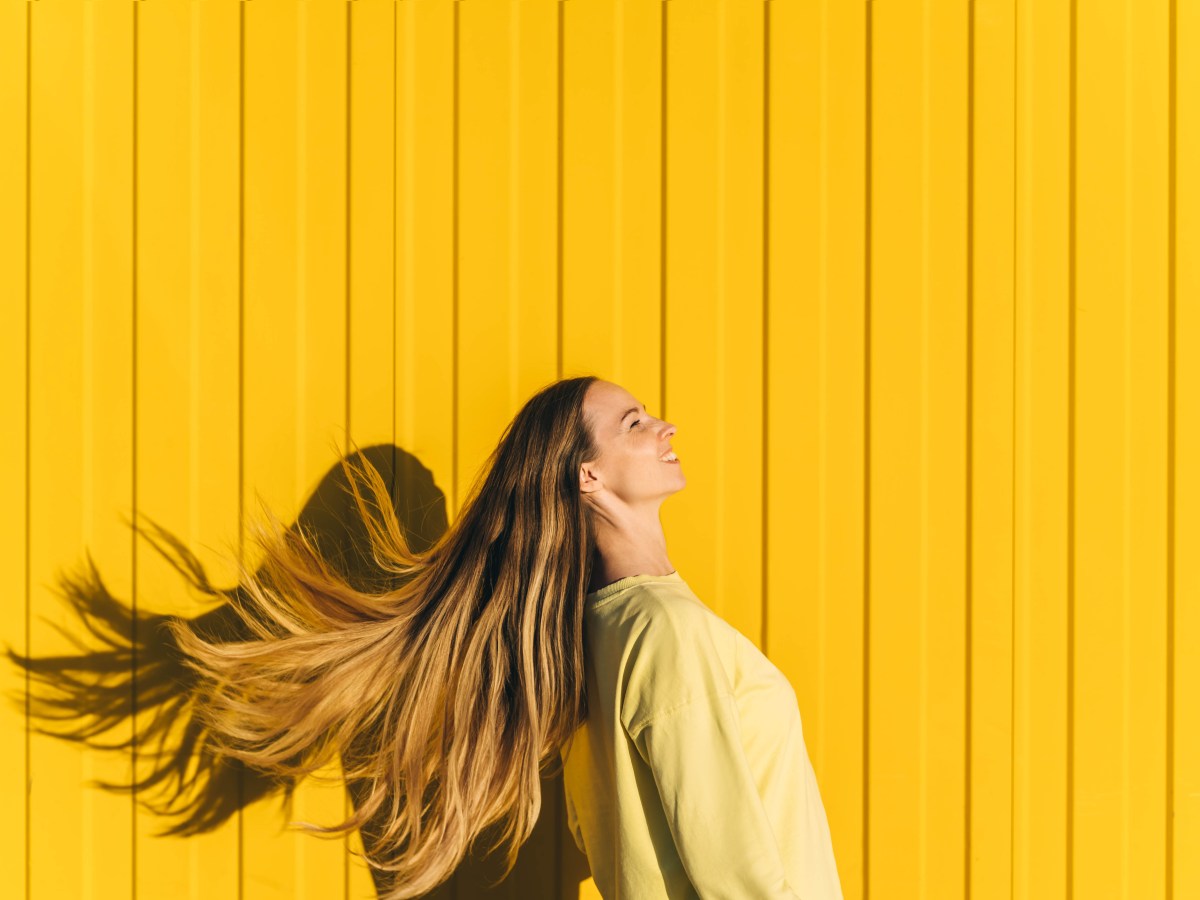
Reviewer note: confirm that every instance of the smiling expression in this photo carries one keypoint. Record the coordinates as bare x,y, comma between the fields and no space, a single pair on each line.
632,444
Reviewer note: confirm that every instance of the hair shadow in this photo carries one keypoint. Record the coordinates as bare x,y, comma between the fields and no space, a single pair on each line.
131,664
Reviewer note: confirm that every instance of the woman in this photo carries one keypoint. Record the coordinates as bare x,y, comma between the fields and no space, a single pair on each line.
690,776
546,621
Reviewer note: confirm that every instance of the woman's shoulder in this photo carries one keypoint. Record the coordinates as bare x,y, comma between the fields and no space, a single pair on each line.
667,647
654,611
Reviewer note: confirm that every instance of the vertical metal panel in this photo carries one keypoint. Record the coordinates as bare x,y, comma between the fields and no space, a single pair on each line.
360,62
371,223
713,309
1183,716
1099,749
918,363
293,392
1119,479
187,354
1145,396
945,366
897,477
989,342
425,281
424,210
14,458
816,304
81,406
507,210
507,306
1042,302
322,370
332,322
612,183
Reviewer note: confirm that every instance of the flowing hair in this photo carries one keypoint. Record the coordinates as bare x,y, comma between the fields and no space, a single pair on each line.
444,697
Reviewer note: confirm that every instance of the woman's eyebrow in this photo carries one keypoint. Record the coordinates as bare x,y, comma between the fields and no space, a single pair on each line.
631,409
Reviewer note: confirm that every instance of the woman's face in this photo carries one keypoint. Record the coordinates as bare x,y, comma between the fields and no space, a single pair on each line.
632,445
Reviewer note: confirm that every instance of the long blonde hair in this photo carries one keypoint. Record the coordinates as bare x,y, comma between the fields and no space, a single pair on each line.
444,697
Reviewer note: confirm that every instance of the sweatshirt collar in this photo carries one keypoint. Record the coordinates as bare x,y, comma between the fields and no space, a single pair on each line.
629,581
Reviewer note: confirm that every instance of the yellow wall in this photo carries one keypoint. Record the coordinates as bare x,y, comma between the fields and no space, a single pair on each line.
918,283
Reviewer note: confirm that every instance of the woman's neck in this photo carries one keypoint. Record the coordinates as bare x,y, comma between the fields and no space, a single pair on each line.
636,546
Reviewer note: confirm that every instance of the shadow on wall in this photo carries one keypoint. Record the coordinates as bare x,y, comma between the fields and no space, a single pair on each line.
82,697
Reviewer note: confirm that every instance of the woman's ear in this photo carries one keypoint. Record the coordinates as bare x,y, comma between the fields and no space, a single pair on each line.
589,478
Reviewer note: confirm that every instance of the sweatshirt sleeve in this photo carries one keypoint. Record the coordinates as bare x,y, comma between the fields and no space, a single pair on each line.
712,806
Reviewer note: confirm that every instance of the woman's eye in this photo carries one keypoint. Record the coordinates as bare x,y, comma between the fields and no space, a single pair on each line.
635,421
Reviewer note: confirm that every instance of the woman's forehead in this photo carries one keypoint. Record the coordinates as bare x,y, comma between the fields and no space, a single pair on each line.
613,404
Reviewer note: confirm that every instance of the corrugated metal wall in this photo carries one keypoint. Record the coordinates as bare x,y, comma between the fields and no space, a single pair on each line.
918,283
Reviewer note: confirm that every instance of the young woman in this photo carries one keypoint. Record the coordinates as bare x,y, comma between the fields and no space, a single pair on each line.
690,776
546,622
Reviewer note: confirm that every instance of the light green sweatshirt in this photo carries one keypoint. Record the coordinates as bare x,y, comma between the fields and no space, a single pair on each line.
690,777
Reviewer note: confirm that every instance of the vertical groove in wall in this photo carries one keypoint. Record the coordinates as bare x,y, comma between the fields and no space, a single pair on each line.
618,152
559,823
1071,295
394,486
241,381
299,229
1128,260
662,214
1071,182
1172,75
922,594
766,321
347,802
349,304
86,357
28,423
970,436
347,444
1013,450
558,231
454,281
866,563
513,244
618,209
719,305
133,661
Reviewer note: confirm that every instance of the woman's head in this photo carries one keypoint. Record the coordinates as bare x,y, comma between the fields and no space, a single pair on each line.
628,467
577,439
